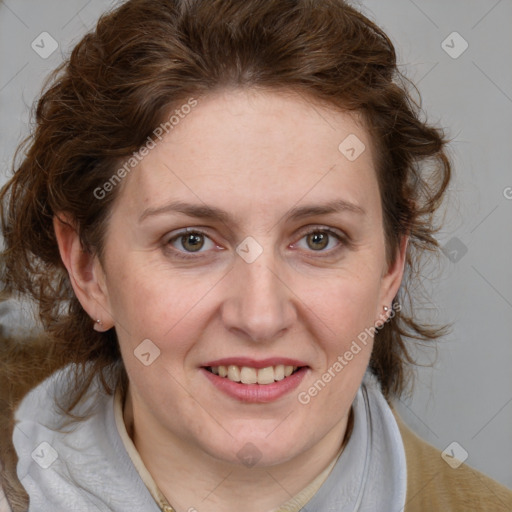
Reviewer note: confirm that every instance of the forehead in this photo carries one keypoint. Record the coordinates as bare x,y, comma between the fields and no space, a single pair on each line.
256,149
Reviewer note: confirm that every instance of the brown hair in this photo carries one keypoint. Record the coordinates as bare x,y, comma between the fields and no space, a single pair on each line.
149,56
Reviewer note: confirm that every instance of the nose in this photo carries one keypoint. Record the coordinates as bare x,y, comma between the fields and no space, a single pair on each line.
260,305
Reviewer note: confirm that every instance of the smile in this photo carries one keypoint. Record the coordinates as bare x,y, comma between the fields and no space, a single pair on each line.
250,375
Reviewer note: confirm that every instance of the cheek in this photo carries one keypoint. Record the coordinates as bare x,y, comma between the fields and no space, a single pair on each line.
344,305
164,306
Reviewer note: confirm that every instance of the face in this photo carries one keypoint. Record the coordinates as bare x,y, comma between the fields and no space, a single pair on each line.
246,242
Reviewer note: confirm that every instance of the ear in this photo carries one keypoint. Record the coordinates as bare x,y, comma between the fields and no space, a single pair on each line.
392,279
85,272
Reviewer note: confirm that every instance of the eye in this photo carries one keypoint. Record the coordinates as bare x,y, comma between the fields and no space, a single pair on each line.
190,241
321,240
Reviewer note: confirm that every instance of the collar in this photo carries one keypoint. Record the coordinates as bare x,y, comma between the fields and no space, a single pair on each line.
371,473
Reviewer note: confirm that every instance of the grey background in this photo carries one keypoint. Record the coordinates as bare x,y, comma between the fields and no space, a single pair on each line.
467,395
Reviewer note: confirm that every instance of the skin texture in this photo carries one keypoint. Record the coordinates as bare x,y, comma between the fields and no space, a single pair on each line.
256,155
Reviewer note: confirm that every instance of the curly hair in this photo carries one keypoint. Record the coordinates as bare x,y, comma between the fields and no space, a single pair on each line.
147,57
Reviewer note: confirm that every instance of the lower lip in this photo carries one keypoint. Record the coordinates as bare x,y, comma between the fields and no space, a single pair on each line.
256,393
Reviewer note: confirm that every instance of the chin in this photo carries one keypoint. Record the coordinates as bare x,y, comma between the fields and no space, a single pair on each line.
254,451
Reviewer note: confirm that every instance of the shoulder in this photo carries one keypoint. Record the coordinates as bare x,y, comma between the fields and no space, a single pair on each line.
54,449
41,420
432,484
75,464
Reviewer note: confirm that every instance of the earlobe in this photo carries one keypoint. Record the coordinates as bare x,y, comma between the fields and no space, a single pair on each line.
85,272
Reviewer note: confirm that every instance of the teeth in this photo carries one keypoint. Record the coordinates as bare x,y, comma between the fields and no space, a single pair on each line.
265,375
248,375
279,372
233,373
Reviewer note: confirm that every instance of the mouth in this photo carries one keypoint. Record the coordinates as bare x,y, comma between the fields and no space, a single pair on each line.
255,381
250,375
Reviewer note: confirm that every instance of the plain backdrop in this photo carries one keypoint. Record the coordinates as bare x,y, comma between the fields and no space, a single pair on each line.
459,53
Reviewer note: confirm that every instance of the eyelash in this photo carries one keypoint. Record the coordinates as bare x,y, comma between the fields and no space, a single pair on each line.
342,238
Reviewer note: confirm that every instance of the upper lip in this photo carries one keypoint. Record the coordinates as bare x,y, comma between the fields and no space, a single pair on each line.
255,363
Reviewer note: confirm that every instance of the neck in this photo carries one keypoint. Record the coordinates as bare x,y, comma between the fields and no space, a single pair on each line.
191,479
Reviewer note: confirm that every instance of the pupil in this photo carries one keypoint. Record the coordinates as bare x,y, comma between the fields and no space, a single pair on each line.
318,238
193,242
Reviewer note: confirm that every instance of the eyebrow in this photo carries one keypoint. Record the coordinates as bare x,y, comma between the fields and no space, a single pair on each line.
335,206
211,212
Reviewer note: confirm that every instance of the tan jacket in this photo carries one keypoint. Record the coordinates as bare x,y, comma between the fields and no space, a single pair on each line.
432,485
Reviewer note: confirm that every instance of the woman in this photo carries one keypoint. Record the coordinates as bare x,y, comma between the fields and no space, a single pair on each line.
215,214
